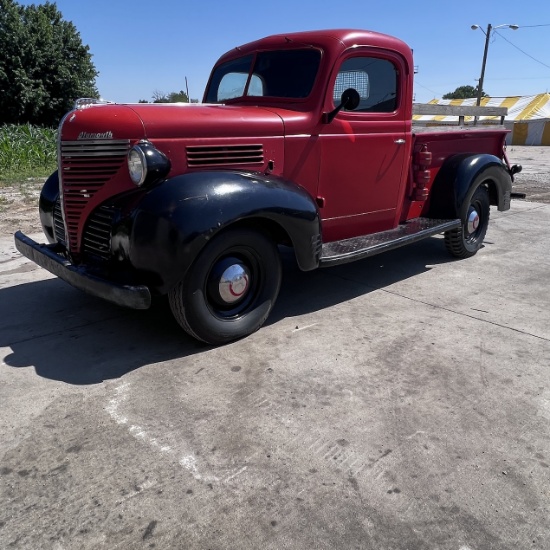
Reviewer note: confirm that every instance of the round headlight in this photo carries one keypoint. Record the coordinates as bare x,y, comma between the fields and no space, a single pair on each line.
137,165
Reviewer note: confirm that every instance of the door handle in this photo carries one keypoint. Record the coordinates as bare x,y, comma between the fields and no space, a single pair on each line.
399,141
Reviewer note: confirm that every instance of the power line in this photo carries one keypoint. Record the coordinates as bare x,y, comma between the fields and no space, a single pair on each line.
416,83
531,26
522,78
524,53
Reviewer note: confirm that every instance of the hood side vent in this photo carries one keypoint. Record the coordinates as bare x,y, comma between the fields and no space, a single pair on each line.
224,155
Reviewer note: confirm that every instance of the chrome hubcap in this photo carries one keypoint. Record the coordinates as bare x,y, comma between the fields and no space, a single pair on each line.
473,220
234,283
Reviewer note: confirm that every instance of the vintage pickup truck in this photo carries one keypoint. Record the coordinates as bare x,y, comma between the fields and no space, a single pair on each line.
304,140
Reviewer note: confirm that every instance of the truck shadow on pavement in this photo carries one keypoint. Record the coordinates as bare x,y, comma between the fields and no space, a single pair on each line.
308,292
77,339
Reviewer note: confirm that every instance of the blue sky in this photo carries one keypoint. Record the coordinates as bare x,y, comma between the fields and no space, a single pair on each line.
140,47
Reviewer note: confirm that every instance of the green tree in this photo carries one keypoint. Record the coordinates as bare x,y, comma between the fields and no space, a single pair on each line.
178,97
44,66
173,97
464,92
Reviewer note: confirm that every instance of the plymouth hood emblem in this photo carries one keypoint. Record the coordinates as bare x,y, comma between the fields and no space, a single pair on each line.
95,135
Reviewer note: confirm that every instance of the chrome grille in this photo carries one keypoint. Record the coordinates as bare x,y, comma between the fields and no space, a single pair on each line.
223,155
97,233
85,167
58,225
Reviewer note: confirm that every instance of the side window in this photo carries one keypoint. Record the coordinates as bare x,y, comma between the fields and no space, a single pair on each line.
375,79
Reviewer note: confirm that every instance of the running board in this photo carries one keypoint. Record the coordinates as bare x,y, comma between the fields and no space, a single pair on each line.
357,248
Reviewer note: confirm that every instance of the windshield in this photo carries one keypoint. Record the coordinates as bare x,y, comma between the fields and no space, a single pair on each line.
284,73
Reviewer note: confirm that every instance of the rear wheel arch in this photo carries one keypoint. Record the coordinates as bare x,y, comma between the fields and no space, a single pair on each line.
491,177
458,179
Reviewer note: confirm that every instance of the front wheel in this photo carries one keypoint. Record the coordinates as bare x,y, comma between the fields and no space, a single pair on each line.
231,288
466,240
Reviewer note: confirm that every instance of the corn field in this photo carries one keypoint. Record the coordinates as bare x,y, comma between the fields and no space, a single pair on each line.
26,151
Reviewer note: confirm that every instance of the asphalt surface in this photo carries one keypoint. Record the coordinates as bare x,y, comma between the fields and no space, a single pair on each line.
400,402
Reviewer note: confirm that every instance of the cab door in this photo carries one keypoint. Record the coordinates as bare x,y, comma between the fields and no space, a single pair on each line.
363,151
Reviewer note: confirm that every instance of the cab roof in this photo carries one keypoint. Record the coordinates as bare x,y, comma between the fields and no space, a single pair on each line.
330,40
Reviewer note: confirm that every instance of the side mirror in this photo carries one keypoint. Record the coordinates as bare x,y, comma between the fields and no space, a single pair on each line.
350,100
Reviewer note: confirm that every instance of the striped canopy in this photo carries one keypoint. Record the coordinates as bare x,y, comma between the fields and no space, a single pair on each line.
528,116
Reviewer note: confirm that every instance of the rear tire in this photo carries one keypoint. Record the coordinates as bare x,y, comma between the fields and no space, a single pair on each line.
231,288
466,240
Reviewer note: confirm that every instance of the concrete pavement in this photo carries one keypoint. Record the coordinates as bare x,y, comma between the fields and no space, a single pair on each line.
534,179
401,402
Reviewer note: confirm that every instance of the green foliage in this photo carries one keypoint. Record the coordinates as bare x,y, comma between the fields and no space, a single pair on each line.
26,151
464,92
178,97
44,66
173,97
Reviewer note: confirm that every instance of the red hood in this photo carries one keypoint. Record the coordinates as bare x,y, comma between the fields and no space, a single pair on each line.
169,121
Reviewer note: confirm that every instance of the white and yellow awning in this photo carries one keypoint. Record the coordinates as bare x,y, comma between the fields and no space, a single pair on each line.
528,116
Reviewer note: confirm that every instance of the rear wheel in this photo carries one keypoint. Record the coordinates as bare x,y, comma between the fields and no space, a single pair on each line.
231,288
466,240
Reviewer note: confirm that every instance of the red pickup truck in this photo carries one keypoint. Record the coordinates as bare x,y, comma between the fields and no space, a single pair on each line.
303,140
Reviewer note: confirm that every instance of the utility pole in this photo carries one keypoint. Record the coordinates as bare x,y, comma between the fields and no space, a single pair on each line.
480,86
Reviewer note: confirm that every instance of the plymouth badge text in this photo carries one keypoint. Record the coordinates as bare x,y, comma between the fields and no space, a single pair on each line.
98,135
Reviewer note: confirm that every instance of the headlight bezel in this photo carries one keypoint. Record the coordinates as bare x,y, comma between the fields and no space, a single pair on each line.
154,164
141,160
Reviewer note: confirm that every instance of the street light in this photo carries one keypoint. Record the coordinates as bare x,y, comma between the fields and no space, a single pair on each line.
487,36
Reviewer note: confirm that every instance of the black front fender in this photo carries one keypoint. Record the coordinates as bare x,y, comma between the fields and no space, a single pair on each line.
453,185
175,220
48,197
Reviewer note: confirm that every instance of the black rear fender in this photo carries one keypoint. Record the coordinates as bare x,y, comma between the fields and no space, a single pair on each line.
458,178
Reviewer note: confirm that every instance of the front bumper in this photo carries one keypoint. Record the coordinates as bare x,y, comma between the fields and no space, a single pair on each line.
135,297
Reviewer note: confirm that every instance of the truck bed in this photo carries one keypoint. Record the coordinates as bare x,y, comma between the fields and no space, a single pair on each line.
433,128
442,138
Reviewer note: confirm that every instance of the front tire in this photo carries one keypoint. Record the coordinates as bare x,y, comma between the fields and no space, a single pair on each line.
231,288
466,240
